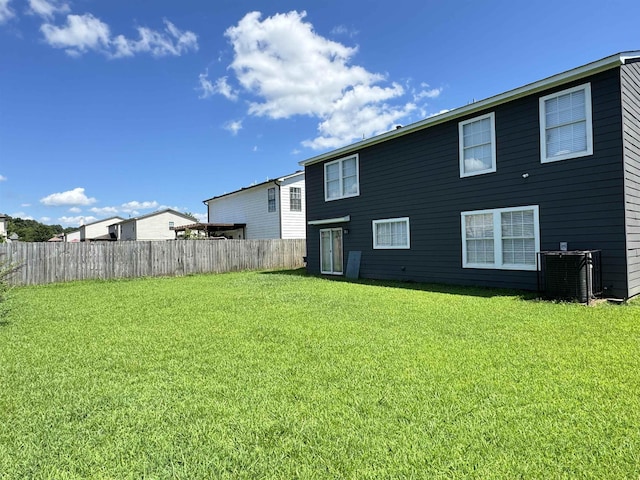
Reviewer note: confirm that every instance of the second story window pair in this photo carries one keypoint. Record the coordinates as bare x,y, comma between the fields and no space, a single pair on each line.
341,178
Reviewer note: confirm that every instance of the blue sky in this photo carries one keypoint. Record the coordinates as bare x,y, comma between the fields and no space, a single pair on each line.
123,108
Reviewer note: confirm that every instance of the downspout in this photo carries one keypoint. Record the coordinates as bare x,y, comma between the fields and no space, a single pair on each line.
208,219
279,205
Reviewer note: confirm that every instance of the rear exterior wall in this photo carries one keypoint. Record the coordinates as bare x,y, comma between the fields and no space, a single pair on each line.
581,200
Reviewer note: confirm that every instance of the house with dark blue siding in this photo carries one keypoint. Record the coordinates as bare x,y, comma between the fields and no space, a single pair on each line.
470,197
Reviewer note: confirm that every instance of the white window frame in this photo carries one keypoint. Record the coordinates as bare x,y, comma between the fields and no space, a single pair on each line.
497,238
331,232
589,125
295,199
340,161
491,116
271,202
374,225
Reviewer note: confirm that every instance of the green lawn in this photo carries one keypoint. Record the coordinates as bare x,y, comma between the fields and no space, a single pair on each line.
276,375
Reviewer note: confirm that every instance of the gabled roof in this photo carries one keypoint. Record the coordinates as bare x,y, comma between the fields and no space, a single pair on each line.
103,220
152,214
549,82
273,180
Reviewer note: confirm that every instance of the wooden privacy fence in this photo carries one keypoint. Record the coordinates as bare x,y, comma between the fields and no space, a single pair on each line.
42,263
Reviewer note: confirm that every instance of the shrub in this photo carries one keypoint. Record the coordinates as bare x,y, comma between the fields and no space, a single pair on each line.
6,270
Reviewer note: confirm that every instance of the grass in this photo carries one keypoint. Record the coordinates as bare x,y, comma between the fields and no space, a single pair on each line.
269,375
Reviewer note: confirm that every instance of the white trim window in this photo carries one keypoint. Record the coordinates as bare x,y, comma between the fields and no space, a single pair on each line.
391,233
566,129
502,238
341,178
271,200
477,141
295,199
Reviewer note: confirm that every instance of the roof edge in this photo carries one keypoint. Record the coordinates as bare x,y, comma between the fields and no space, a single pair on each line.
567,76
261,184
152,214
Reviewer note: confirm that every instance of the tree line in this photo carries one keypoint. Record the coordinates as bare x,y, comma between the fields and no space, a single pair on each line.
33,231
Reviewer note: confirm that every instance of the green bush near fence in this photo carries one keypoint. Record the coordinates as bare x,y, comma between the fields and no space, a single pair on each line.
279,375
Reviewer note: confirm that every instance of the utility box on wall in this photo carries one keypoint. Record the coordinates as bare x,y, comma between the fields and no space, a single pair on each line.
570,275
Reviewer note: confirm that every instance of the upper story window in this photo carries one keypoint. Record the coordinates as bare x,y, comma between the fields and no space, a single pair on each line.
477,139
271,200
566,125
502,238
295,199
171,225
341,178
391,233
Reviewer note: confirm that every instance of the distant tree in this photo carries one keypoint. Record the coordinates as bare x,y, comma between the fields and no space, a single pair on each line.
31,230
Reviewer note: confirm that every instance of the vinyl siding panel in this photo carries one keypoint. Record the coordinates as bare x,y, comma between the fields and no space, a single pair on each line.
417,176
630,88
248,206
293,223
73,237
156,227
98,229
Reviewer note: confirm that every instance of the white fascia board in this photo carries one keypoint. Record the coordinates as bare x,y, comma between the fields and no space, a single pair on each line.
287,177
327,221
549,82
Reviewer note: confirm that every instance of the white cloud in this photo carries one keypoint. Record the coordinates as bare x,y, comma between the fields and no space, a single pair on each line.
431,93
291,70
177,209
234,126
134,206
76,221
3,178
172,41
220,86
45,219
47,8
24,205
83,33
104,210
21,215
343,30
202,217
71,197
80,34
439,113
5,12
75,210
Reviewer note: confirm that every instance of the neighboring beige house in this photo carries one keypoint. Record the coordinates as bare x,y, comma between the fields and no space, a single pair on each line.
272,209
153,226
3,227
72,237
98,230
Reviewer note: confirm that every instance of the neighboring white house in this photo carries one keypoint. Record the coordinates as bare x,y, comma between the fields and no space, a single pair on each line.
153,226
272,209
98,230
72,237
3,227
